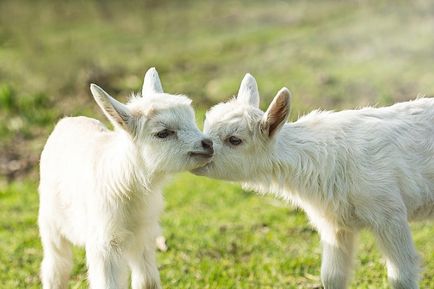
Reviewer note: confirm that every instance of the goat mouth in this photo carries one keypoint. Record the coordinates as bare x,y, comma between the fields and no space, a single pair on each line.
200,171
204,155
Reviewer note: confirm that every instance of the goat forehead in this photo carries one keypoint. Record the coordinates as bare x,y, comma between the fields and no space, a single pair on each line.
231,117
235,125
160,103
157,101
225,112
175,117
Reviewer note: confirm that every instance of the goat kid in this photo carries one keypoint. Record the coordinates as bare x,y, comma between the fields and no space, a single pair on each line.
372,167
101,189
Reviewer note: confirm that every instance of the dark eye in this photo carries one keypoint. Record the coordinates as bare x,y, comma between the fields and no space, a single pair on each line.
234,140
164,133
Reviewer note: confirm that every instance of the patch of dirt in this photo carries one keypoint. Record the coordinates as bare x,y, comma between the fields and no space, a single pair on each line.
17,161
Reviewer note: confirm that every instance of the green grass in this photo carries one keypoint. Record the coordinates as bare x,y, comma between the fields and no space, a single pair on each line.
331,54
218,236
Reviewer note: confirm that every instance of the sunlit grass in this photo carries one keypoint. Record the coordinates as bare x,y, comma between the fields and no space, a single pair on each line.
218,236
330,54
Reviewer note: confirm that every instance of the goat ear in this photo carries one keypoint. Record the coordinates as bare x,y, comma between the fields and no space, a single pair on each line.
277,113
248,92
151,82
116,112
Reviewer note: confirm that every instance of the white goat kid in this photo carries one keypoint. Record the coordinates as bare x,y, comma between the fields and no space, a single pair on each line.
372,167
101,189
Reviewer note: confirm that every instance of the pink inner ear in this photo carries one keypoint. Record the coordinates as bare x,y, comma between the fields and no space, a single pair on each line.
115,115
277,114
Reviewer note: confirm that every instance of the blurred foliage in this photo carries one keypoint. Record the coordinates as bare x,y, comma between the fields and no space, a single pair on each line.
331,54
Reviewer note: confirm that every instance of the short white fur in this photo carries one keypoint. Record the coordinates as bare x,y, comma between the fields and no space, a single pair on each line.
348,170
101,189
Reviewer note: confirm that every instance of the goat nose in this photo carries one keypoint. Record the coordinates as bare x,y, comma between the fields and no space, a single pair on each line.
207,144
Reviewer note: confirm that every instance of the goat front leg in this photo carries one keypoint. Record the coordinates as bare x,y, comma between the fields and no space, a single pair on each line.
143,264
57,262
337,258
106,268
394,239
144,270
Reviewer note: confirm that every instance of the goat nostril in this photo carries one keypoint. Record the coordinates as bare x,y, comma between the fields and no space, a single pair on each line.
207,143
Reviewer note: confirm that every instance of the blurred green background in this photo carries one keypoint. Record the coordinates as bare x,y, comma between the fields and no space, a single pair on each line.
331,54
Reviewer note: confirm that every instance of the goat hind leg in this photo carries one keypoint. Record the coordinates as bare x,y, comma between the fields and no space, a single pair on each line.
394,239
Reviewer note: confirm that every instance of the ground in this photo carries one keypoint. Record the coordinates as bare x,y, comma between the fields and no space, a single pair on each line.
331,54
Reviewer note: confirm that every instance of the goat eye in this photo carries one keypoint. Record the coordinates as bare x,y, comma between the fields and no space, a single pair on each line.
234,140
164,133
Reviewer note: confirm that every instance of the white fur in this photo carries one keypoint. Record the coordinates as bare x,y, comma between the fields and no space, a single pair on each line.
101,189
372,167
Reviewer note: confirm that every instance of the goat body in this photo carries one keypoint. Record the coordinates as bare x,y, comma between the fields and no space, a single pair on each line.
372,167
101,189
